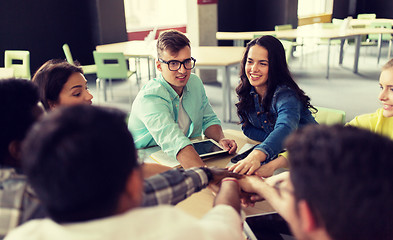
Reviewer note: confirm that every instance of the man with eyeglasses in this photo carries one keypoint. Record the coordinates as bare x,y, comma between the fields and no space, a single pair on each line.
172,108
340,184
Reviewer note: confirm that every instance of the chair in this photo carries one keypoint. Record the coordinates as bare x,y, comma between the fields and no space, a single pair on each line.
87,69
110,66
18,60
366,16
294,43
6,73
385,36
329,116
288,47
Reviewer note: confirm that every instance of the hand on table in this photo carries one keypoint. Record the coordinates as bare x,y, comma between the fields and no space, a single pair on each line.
228,144
249,164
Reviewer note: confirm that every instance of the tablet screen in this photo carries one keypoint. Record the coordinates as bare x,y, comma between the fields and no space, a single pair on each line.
269,226
207,148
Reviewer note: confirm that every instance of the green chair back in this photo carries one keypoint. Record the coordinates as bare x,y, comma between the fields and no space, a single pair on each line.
87,69
329,116
6,73
385,36
367,16
110,65
18,60
67,53
283,27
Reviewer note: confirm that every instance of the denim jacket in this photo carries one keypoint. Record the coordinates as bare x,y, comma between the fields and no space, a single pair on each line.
154,113
287,114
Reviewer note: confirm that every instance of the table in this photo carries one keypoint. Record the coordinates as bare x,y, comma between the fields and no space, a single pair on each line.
366,22
317,32
212,57
200,203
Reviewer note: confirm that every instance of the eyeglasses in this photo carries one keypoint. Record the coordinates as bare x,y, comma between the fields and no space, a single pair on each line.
175,65
280,189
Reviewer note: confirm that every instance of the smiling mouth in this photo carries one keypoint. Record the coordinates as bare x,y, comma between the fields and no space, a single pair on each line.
181,77
253,76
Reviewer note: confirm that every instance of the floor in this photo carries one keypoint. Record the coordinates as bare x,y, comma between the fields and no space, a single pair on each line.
354,93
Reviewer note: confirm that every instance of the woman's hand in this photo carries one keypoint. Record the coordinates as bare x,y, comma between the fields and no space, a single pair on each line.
268,169
249,164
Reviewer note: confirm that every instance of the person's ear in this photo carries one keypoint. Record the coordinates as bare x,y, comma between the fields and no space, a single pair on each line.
14,149
307,218
52,105
158,64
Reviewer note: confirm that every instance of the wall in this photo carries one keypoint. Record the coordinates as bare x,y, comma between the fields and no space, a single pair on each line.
345,8
255,15
42,27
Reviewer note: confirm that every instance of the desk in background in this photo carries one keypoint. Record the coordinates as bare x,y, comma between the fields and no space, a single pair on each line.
329,34
220,58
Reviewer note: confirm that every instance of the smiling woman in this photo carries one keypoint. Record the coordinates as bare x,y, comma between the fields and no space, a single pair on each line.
381,121
61,83
271,105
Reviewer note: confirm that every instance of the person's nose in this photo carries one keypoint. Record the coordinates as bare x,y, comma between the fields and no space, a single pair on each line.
88,96
182,69
254,68
382,95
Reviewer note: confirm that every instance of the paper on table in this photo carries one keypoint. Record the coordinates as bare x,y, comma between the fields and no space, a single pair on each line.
162,158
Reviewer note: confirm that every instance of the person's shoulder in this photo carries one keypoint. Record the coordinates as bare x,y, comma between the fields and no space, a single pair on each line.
153,88
33,229
194,80
284,92
283,89
366,119
7,174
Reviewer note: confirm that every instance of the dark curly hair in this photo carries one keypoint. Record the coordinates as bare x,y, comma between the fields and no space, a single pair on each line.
278,75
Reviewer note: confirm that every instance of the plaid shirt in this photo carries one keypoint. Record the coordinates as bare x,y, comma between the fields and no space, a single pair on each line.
173,186
18,202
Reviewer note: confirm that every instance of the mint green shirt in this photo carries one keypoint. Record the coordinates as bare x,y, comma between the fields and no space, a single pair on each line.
154,113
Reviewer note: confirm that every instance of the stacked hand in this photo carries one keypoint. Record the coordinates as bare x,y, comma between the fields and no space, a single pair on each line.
249,164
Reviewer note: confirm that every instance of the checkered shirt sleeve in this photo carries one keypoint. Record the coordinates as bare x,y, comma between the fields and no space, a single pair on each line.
173,186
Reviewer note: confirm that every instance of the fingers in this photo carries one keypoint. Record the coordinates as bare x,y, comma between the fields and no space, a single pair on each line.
229,145
251,170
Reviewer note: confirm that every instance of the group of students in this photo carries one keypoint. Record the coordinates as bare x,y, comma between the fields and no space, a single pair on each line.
77,168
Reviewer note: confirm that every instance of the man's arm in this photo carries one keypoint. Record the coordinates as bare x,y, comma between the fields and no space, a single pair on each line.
176,185
229,194
280,199
189,158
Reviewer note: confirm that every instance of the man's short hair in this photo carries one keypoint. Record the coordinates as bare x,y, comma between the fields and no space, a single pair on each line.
18,98
172,41
345,175
78,160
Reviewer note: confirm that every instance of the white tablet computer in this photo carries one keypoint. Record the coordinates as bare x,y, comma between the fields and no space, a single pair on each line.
207,147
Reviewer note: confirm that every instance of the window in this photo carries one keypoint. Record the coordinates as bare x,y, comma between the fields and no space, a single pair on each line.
147,14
